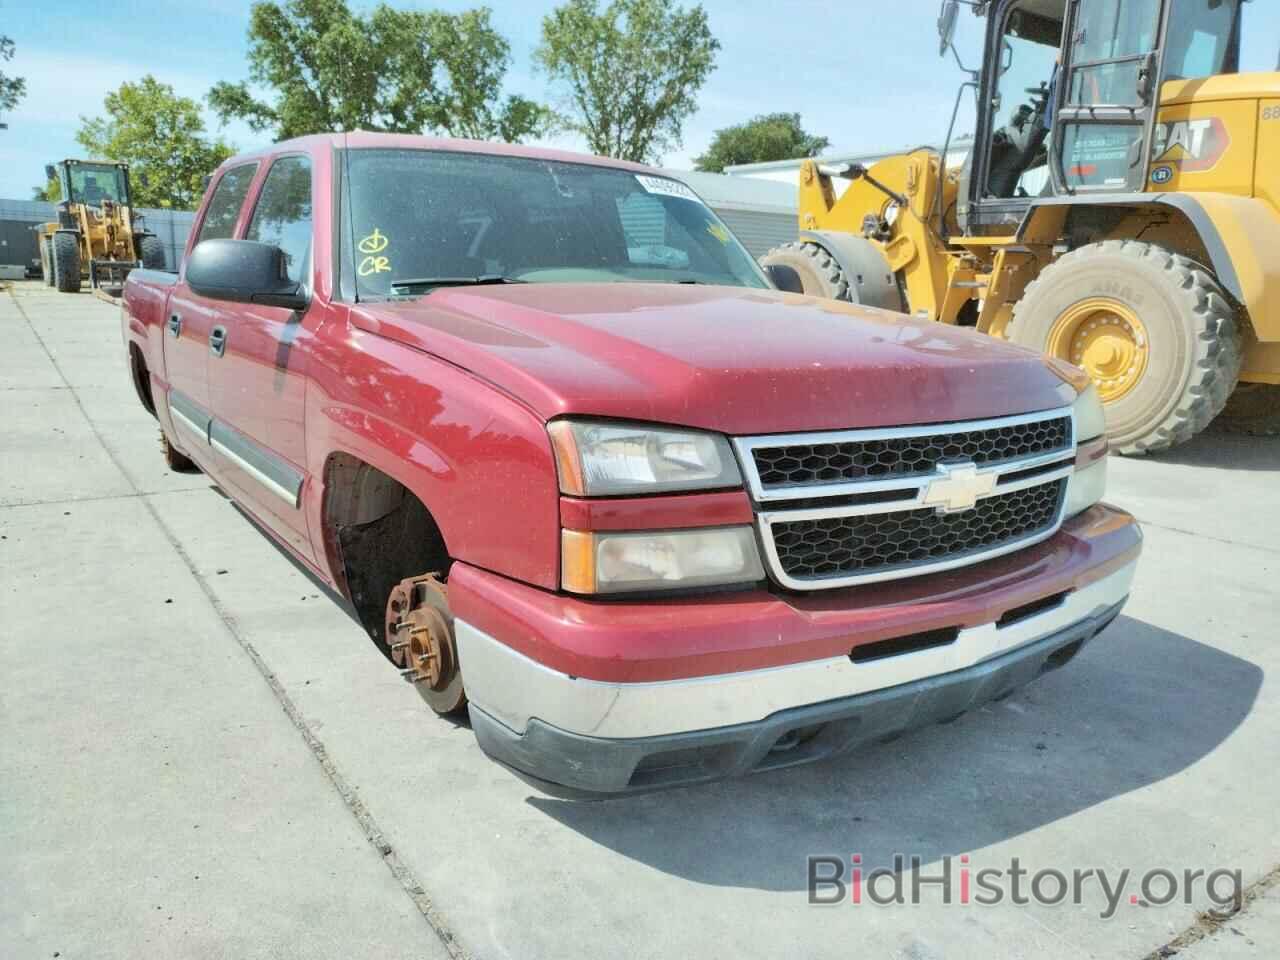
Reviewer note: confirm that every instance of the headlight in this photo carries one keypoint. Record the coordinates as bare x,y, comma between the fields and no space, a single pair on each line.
608,459
1090,420
620,562
1086,487
1088,484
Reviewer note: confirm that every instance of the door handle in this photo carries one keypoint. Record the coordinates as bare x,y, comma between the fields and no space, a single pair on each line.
218,341
175,324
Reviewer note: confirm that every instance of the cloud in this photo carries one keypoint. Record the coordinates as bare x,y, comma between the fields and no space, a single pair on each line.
61,89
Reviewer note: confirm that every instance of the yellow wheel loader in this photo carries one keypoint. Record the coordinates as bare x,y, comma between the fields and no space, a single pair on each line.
1119,210
97,236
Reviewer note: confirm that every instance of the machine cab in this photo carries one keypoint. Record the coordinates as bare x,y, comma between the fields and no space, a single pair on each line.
1068,93
91,183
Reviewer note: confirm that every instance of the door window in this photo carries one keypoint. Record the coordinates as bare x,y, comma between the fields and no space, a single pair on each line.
1109,92
224,206
1028,57
283,214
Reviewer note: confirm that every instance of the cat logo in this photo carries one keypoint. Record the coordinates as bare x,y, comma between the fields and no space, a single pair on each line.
1191,146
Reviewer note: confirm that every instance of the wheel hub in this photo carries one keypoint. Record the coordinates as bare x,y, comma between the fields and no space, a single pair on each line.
1107,340
418,633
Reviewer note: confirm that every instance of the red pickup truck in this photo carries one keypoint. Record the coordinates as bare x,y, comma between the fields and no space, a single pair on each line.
581,469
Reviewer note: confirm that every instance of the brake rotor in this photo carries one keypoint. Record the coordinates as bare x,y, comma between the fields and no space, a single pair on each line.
420,632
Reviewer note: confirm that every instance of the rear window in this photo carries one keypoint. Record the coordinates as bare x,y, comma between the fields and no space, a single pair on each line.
224,206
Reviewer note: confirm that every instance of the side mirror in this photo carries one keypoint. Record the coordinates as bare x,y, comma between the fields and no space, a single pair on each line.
243,271
784,278
50,172
947,26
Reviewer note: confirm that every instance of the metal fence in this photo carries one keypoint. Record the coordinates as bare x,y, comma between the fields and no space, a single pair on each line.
18,242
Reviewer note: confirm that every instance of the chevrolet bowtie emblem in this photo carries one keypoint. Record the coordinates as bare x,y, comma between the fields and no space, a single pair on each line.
958,487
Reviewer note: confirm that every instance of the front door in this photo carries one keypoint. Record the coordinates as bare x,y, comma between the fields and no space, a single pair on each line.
191,318
257,376
1110,91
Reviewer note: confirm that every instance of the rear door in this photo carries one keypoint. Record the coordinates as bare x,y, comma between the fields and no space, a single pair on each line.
257,376
1111,71
191,318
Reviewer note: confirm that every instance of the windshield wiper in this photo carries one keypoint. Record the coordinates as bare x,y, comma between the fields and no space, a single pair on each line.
482,280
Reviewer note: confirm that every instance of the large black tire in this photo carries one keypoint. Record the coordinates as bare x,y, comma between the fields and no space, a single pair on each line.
1192,339
66,262
1254,409
819,273
46,260
151,252
175,459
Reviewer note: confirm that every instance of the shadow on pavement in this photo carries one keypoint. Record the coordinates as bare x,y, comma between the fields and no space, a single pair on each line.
1225,451
1136,706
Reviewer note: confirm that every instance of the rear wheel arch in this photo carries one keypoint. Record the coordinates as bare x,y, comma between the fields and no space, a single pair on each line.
141,377
1189,229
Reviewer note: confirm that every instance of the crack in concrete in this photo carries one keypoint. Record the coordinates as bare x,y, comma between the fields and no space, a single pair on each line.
114,496
1208,536
368,824
1211,921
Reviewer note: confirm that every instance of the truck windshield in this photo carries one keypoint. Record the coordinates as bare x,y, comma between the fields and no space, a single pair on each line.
411,214
93,183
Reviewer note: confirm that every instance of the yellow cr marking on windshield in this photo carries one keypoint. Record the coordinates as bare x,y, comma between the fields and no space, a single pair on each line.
374,265
719,231
375,242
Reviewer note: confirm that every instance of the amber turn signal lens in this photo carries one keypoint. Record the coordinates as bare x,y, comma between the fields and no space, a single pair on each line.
568,463
577,561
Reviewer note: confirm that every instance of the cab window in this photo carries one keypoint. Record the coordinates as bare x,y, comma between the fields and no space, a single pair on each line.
282,216
1204,39
1018,165
224,206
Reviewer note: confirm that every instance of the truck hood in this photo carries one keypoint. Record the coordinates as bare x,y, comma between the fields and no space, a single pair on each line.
732,359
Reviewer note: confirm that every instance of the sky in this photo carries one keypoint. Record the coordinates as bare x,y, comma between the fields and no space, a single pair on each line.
864,73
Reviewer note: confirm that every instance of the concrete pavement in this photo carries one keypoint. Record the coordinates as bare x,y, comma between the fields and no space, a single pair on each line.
181,702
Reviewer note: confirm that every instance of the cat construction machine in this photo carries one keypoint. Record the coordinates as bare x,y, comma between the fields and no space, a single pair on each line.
97,236
1119,210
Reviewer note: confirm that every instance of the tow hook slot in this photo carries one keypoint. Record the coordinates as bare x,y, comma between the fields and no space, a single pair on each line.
911,643
1034,608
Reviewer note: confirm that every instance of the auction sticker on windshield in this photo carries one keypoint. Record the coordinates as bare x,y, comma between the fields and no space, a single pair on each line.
666,188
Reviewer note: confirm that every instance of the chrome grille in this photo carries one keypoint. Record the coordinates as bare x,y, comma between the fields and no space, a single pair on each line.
849,507
801,464
832,546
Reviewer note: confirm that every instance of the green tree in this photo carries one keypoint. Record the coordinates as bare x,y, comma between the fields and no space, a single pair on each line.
402,71
630,71
161,136
771,136
12,89
50,192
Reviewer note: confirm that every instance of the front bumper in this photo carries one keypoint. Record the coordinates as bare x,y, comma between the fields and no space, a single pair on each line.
574,765
616,697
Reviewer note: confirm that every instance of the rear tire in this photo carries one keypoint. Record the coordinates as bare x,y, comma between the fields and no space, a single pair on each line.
177,461
66,262
1181,361
1254,409
819,273
151,253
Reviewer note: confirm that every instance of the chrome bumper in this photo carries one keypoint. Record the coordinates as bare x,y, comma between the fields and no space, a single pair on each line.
513,689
